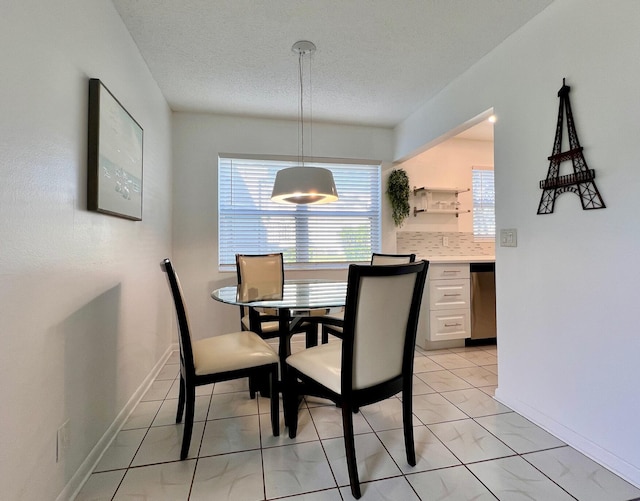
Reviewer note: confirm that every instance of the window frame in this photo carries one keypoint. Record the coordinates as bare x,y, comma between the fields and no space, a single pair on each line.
484,236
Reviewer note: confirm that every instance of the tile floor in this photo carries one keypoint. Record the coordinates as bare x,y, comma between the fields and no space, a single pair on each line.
469,446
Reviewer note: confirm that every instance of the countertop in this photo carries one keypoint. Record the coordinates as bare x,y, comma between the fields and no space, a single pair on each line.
458,259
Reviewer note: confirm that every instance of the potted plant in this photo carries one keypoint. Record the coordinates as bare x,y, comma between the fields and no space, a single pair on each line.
398,192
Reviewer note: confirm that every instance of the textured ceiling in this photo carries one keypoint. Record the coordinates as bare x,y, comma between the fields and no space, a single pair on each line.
376,60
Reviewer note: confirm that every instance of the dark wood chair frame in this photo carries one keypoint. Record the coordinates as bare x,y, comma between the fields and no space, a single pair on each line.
350,400
329,324
310,329
189,380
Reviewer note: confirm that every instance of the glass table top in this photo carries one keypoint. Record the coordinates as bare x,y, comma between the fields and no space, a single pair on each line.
295,295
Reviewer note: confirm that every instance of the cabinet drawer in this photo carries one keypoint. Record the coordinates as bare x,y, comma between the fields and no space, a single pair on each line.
449,324
439,271
449,294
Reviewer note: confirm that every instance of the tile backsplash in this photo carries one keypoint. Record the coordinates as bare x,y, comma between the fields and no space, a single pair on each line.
430,243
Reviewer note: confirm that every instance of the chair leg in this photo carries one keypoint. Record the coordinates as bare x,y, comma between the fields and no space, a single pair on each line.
252,387
180,400
275,401
350,449
325,335
290,395
188,420
311,334
407,420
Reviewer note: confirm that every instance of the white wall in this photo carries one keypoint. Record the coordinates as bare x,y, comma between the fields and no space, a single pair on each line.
567,296
447,165
84,308
198,139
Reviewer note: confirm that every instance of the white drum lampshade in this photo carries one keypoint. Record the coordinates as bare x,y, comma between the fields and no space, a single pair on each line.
304,185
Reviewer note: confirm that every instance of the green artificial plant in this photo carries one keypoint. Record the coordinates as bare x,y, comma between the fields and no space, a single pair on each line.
398,192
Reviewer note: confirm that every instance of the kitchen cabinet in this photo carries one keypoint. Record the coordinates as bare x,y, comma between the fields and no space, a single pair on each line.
437,201
445,313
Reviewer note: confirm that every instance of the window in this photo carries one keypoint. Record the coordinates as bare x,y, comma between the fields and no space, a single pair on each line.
484,202
309,236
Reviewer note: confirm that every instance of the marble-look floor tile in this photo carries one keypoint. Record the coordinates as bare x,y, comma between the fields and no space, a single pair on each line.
174,391
444,381
306,431
296,469
479,357
121,451
451,361
161,482
476,376
425,364
514,478
435,408
232,477
519,433
163,443
419,387
226,405
396,488
236,434
469,441
582,477
373,460
450,484
489,390
328,422
143,415
324,495
174,358
168,372
386,414
169,408
232,386
491,368
100,486
430,453
475,403
205,389
157,391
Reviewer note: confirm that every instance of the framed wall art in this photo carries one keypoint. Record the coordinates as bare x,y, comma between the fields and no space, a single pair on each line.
114,181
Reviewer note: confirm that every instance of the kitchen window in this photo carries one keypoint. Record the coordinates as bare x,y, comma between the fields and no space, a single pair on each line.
310,236
484,203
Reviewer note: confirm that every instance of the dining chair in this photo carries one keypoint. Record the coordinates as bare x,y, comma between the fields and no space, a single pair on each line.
214,359
332,323
374,359
262,276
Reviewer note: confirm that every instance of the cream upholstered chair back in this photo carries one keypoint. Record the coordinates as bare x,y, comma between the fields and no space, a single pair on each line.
382,312
261,276
379,259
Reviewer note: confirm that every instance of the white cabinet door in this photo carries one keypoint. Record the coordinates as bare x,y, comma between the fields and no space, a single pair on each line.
449,324
449,294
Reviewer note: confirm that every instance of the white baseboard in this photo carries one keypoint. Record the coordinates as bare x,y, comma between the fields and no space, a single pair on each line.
582,444
79,478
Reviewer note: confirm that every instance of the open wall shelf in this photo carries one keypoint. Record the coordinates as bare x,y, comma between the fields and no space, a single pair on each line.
438,201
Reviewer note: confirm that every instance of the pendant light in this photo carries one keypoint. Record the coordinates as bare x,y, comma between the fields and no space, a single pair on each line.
304,185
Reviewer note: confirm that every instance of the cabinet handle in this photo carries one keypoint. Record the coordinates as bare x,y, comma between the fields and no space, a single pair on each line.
451,295
452,325
451,271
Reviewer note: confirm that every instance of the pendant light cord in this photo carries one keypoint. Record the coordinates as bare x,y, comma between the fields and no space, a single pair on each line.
301,159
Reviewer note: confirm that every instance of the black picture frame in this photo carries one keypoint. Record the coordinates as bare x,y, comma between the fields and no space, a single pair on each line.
114,156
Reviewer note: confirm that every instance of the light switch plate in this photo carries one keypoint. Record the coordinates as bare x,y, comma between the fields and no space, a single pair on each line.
509,238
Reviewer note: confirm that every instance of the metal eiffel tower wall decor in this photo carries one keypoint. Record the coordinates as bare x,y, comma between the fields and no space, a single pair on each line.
581,182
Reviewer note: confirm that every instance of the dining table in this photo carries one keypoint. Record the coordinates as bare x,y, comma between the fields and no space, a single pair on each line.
297,301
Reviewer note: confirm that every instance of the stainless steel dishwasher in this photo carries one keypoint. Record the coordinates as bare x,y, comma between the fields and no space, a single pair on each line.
483,303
